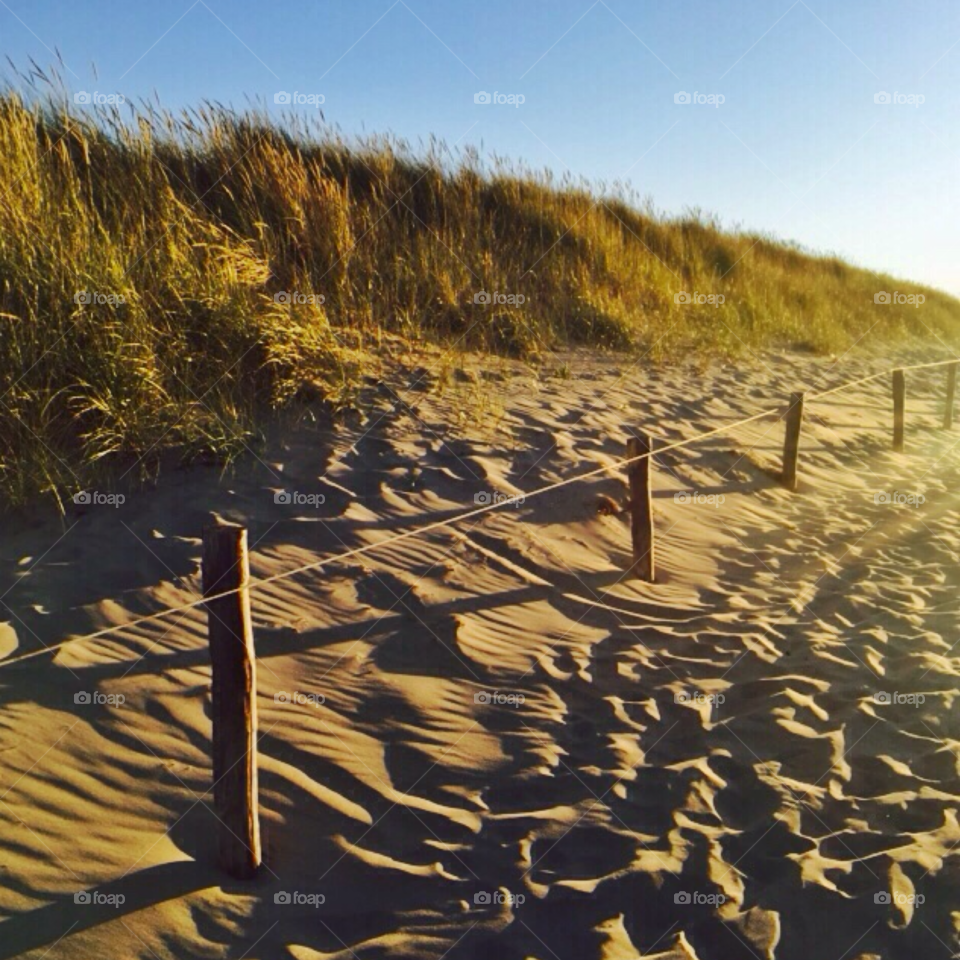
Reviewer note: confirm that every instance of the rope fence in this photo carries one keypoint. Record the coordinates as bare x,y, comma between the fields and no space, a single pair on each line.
627,461
226,587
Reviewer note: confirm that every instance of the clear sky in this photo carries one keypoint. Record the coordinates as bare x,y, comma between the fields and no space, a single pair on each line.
798,147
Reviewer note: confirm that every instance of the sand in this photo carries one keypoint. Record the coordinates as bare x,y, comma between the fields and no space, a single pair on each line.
499,747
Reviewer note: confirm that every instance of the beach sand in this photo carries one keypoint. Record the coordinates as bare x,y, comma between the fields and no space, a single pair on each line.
493,745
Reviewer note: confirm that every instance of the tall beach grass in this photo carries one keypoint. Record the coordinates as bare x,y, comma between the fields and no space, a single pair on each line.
166,278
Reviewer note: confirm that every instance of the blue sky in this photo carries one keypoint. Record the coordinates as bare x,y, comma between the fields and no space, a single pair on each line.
798,147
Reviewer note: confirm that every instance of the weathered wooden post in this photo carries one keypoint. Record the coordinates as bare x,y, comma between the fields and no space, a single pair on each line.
951,392
226,568
899,402
641,508
791,441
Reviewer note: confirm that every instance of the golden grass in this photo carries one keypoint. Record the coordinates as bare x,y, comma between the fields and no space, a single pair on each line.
198,221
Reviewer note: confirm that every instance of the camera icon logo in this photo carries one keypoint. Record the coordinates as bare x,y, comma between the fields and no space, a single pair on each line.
482,498
682,697
481,697
283,496
81,97
682,97
882,897
482,898
881,297
82,897
881,496
681,297
681,897
482,97
882,97
884,697
482,297
281,697
82,697
281,897
281,97
82,296
281,297
82,497
681,496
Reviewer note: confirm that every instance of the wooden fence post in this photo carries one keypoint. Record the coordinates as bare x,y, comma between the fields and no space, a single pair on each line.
226,567
641,508
791,441
899,401
951,391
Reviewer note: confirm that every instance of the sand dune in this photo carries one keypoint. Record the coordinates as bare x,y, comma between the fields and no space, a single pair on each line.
502,749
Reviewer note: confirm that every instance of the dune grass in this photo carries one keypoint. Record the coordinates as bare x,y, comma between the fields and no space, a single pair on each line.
166,279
